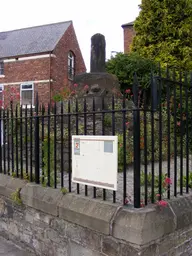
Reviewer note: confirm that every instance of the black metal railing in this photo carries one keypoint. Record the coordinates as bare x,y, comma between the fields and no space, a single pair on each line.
154,140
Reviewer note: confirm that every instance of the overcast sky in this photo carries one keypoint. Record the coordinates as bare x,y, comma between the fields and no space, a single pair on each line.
89,17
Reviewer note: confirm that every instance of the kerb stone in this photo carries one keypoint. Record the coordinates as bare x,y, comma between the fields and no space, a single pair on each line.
4,179
143,225
86,212
9,185
182,208
50,201
32,195
43,199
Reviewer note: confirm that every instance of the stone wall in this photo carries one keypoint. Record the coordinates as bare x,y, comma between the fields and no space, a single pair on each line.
50,223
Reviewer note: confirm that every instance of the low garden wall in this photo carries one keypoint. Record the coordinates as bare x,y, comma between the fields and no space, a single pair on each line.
48,222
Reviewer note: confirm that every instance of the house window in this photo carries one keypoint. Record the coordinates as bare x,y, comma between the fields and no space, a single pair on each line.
71,65
1,94
1,68
27,94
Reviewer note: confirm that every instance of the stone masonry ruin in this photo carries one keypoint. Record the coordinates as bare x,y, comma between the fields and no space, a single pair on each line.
100,82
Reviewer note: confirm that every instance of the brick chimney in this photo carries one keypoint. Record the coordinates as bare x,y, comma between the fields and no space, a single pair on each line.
129,34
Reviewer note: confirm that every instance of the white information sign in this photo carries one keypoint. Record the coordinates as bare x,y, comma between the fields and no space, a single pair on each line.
95,161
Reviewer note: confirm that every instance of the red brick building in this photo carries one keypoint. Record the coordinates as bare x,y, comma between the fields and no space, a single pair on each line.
41,59
129,33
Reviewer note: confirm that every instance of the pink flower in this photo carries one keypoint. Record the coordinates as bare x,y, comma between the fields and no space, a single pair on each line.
158,195
73,92
127,123
178,123
128,91
126,200
75,85
86,87
179,105
18,95
13,89
168,181
162,203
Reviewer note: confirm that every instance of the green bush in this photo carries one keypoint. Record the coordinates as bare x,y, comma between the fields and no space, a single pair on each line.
149,179
124,67
155,197
185,180
48,158
129,140
163,32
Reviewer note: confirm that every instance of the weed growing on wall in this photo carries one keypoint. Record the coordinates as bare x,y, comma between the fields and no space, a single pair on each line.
15,196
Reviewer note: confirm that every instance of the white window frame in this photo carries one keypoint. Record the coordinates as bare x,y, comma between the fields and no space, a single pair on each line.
71,65
2,88
28,89
2,68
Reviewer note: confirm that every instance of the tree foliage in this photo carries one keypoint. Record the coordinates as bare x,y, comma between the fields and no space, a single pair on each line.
164,32
125,65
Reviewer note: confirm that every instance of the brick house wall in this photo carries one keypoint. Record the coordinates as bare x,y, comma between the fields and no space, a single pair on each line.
129,33
21,71
59,65
47,71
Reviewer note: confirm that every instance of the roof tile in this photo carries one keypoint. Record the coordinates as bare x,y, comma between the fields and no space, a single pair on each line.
31,40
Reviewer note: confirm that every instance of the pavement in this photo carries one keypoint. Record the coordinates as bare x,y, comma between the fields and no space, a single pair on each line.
7,248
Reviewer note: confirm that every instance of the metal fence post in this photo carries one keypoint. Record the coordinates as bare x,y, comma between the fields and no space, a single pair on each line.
136,137
154,93
36,135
